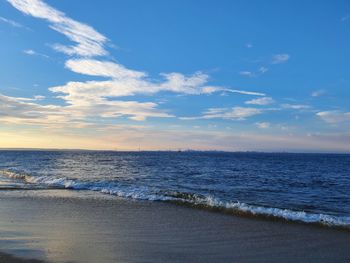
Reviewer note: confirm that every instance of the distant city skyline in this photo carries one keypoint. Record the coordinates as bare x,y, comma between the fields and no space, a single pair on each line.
158,75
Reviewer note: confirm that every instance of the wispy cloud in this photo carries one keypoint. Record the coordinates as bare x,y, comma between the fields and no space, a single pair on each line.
11,22
235,113
19,99
244,92
39,97
126,82
262,125
31,52
257,73
23,110
276,59
318,93
249,45
280,58
88,42
261,101
247,74
109,69
295,106
97,98
26,111
334,117
263,70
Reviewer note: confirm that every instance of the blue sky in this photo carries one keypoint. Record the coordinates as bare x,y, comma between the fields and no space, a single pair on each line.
225,75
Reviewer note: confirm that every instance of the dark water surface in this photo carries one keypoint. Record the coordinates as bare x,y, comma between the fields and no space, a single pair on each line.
301,187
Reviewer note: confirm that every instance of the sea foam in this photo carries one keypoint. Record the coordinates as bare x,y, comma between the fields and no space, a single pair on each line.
145,193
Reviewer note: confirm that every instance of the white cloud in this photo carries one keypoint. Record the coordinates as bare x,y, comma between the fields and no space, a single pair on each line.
91,43
244,92
31,52
11,22
334,117
193,84
88,42
262,125
280,58
35,98
263,70
39,97
97,98
93,91
261,101
318,93
235,113
249,45
250,74
109,69
295,106
25,111
247,74
126,82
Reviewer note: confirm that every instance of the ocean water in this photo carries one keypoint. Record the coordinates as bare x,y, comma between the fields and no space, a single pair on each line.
313,188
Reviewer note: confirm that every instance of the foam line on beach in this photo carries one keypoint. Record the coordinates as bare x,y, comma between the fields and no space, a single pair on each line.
201,201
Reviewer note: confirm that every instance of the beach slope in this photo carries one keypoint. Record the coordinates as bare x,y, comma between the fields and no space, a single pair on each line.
68,226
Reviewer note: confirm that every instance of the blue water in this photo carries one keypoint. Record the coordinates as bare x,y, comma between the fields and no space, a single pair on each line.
302,187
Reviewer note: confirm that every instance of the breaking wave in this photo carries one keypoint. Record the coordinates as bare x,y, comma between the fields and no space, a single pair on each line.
197,200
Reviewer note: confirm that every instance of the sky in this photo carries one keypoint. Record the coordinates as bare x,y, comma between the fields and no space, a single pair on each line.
166,75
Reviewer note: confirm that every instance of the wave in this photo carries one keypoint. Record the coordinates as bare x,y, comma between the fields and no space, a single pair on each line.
197,200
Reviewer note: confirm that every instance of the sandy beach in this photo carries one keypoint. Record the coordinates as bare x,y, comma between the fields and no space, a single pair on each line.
174,131
67,226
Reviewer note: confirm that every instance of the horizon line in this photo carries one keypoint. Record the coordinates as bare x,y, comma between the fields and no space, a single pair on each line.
168,150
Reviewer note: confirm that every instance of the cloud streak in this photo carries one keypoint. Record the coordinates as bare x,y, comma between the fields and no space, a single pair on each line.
26,111
235,113
262,125
280,58
257,73
31,52
260,101
125,82
334,117
318,93
98,97
88,42
295,106
11,22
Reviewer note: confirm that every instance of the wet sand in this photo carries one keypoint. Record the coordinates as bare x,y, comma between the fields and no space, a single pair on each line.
68,226
11,259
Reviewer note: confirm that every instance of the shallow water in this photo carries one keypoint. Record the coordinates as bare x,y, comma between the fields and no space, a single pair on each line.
300,187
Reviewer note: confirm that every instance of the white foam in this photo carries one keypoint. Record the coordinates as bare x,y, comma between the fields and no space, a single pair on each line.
144,193
287,214
12,175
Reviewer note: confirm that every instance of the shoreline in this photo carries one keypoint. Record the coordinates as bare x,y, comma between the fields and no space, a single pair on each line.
188,200
13,259
63,226
260,216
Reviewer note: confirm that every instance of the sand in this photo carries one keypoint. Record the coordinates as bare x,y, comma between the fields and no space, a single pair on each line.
68,226
11,259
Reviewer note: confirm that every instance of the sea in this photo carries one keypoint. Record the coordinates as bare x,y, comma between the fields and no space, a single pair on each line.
303,187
